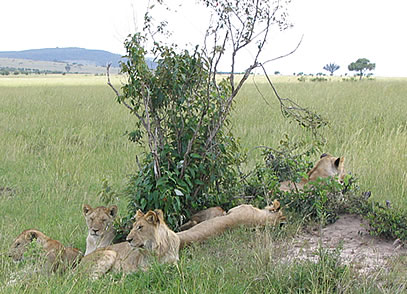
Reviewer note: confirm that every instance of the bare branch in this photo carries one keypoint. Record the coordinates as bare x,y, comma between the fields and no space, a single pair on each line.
285,55
114,89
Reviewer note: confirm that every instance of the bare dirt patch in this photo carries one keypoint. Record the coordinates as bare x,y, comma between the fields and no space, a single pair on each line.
364,252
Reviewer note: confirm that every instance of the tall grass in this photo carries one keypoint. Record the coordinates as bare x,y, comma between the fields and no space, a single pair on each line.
367,125
61,136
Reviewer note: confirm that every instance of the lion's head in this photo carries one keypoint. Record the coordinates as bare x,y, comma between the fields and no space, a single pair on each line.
144,233
20,244
328,166
99,220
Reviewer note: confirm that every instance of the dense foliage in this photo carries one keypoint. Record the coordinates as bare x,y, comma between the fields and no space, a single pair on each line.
181,115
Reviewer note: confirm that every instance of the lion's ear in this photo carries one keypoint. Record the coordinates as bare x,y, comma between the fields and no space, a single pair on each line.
276,205
138,214
86,209
151,217
113,211
160,214
323,155
337,161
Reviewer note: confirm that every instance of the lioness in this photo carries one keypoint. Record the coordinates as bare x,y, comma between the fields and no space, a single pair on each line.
149,236
327,166
100,226
57,256
239,215
202,216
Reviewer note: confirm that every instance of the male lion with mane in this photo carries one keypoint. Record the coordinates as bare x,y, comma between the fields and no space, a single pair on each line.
57,256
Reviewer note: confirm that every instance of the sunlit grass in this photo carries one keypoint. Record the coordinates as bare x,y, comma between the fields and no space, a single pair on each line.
60,136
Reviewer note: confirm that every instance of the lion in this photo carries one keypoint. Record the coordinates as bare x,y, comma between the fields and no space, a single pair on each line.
57,256
240,215
150,236
202,216
100,226
327,166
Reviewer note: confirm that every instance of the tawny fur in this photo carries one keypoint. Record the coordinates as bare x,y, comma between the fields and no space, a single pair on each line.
241,215
100,226
149,236
57,256
327,166
203,216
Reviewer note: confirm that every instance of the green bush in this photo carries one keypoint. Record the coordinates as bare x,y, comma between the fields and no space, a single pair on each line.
386,221
182,114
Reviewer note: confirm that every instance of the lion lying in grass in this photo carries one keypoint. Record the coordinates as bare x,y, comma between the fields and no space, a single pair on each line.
56,255
202,216
150,236
100,226
239,215
327,166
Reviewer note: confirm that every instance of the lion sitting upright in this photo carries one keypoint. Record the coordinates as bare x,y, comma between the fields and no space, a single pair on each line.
327,166
150,236
57,256
100,226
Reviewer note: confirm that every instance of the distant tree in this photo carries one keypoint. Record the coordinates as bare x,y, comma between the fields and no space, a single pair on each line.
67,68
331,67
361,65
276,72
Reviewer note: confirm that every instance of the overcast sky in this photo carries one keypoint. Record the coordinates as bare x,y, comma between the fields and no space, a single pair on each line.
338,31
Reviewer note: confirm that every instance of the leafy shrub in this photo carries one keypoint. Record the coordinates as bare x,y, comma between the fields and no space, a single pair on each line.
319,79
182,114
386,221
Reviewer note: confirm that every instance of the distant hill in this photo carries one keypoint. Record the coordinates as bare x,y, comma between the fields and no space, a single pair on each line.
69,55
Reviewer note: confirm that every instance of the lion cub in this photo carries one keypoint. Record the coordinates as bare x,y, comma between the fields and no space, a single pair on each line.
57,256
100,226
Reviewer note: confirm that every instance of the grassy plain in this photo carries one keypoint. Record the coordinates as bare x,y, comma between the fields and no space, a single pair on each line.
61,136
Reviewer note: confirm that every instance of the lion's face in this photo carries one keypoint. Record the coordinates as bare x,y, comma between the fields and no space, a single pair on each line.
19,246
99,220
144,231
328,166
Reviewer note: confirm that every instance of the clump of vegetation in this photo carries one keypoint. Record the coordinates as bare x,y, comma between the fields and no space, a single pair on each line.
361,66
384,220
319,79
320,201
331,68
5,71
182,110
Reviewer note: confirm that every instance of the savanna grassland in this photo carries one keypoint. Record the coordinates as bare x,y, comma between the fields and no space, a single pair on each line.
61,136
